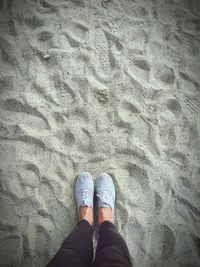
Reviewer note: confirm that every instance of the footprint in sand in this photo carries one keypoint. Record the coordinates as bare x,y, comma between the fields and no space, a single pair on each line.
101,59
163,74
162,243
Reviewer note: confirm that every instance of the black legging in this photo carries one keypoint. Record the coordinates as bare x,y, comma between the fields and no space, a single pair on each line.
77,248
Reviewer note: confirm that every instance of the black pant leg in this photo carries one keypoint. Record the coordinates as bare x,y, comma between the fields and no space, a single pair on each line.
77,248
112,250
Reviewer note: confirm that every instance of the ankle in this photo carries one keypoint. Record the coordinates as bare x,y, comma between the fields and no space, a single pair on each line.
104,214
86,213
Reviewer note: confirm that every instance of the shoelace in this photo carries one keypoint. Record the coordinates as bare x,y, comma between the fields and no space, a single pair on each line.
104,196
85,194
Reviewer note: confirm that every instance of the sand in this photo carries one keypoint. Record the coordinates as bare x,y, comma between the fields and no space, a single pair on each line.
100,86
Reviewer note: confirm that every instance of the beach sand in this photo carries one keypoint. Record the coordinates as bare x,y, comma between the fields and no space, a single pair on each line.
100,86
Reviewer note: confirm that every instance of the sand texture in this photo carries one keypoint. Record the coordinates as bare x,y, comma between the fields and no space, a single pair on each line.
100,86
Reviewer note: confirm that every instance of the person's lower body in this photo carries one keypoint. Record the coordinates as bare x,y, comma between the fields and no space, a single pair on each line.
77,248
112,250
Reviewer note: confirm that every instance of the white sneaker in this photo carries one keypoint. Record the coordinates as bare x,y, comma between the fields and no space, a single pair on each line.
105,192
84,190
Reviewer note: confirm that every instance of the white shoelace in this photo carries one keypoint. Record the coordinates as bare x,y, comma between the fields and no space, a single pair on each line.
85,194
104,196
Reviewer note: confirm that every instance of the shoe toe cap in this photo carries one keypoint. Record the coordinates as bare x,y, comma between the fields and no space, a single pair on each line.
104,181
84,180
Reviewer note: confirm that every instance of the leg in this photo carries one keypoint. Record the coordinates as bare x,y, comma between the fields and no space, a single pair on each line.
77,248
112,250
